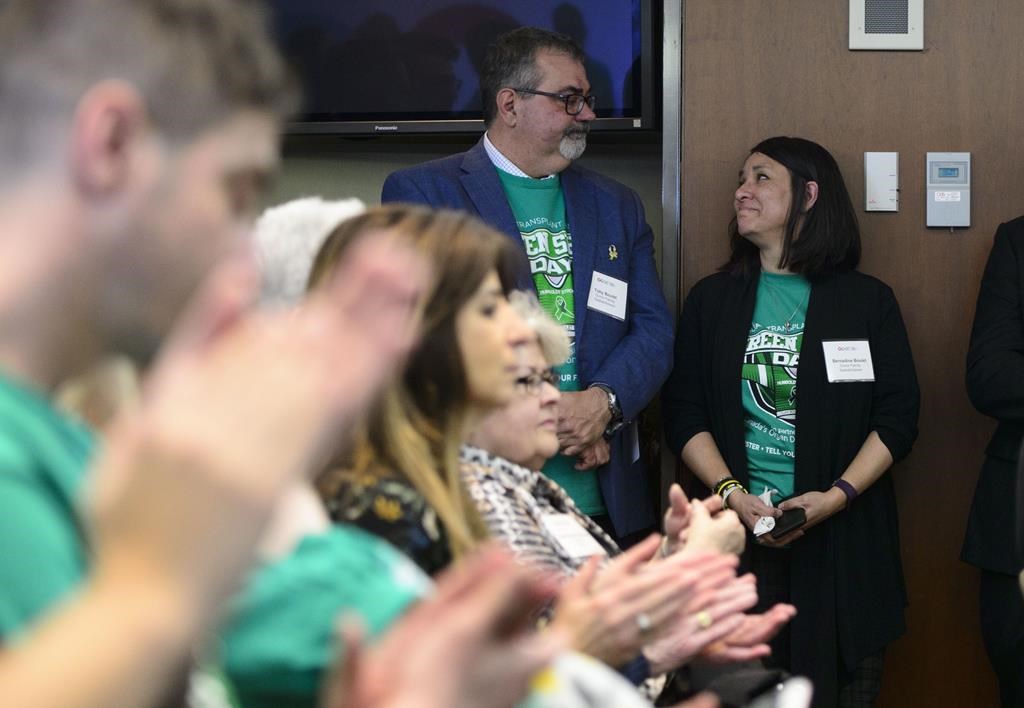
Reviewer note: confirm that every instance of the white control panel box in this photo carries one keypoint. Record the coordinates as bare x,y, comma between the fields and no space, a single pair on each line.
948,189
881,181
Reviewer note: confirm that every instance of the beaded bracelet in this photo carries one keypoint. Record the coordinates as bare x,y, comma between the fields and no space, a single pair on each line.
723,484
728,493
725,490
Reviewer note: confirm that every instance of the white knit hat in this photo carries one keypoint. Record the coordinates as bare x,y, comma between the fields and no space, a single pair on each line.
286,240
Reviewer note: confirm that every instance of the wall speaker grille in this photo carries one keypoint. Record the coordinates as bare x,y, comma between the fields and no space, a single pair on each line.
886,16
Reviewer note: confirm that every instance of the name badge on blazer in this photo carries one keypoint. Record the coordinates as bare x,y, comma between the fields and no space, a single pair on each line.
608,295
848,360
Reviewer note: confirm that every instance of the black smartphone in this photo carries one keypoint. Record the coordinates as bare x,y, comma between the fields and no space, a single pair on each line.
790,520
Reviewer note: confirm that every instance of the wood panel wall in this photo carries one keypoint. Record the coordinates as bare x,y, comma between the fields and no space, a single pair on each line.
757,68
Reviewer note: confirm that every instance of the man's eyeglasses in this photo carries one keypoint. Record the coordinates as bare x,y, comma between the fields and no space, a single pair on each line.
533,383
574,102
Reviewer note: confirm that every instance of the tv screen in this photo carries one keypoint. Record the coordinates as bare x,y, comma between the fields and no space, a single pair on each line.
408,66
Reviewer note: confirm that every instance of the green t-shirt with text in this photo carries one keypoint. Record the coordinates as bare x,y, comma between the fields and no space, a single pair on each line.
769,382
539,209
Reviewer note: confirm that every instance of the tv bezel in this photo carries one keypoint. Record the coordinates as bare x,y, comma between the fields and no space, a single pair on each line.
646,121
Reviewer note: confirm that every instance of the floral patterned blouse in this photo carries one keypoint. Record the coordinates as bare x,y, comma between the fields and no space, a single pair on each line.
394,510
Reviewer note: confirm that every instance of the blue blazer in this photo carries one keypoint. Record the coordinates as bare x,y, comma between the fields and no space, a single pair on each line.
633,357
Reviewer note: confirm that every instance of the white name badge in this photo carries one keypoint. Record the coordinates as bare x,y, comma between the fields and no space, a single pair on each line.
848,360
571,536
608,295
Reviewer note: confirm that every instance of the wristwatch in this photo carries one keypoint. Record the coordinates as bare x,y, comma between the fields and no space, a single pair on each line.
614,409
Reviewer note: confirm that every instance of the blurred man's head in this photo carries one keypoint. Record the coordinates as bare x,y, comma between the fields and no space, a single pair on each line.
137,136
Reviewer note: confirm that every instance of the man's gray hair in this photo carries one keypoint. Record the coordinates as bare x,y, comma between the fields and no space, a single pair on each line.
511,62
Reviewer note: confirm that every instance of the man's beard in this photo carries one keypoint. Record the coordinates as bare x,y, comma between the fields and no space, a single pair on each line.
573,143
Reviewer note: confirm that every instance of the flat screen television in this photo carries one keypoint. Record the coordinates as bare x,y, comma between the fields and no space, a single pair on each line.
411,66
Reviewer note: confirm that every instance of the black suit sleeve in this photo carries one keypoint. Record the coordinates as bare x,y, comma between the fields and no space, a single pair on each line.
995,359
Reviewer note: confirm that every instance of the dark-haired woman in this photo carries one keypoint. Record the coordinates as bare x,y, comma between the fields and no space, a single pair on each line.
789,313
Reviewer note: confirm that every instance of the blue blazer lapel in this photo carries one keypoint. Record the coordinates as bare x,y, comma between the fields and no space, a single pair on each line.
480,180
580,210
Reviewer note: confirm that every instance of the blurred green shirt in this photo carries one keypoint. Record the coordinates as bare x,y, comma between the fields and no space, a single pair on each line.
43,549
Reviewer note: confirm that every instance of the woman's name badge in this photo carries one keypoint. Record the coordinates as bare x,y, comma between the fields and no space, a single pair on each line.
608,295
575,540
848,360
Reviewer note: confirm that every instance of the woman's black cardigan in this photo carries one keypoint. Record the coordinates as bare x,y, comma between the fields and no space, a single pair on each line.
847,579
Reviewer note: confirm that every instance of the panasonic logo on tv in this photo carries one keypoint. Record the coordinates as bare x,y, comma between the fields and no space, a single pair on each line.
385,128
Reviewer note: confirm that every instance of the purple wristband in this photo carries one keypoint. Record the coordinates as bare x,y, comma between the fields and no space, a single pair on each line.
847,489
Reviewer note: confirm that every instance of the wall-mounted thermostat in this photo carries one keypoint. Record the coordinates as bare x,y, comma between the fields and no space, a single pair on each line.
948,189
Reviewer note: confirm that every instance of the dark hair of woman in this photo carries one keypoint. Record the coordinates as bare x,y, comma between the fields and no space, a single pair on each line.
818,242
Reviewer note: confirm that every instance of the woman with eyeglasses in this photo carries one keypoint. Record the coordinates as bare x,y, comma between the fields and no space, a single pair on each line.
610,613
278,641
399,478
